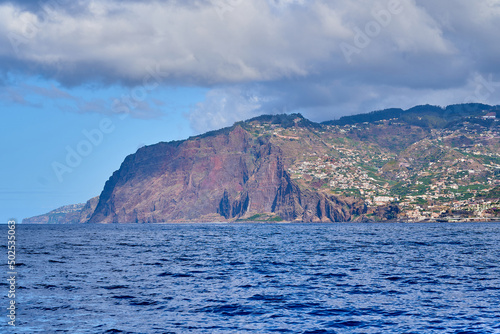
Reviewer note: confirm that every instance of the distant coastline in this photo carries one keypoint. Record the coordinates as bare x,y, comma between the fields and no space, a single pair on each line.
424,164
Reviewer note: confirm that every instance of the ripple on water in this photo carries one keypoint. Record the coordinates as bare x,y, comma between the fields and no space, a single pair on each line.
259,278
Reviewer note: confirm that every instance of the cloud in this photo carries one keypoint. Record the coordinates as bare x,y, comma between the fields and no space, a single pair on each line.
322,57
223,107
51,92
15,97
208,42
31,95
113,107
327,100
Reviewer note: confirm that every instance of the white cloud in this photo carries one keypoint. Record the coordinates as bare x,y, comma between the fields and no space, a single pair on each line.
288,51
223,107
194,44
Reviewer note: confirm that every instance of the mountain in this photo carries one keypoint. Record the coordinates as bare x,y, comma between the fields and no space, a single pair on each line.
74,213
425,116
227,175
423,163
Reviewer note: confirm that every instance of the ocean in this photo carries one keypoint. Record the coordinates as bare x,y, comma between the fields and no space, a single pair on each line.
255,278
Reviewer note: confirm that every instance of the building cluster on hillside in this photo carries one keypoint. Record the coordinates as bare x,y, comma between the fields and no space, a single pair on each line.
445,175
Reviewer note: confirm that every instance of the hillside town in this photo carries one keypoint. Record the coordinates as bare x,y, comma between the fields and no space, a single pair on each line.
453,174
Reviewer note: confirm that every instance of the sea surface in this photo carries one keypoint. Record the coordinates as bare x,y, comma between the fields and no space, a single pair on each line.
256,278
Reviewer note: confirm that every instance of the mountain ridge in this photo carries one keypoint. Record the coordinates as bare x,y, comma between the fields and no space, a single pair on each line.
311,170
192,182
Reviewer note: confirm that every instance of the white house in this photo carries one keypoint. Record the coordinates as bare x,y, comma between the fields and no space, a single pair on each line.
490,115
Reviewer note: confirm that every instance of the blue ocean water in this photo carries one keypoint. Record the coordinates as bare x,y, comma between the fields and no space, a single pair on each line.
257,278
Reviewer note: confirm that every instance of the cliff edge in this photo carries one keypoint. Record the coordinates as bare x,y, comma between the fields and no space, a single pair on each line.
224,176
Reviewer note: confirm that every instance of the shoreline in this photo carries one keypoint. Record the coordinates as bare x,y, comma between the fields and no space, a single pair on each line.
394,221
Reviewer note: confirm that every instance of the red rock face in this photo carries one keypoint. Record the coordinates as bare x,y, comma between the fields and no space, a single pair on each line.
215,177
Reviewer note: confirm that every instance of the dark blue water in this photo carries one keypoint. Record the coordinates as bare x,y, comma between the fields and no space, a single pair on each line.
258,278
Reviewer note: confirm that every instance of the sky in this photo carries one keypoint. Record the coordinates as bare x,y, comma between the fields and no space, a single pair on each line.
83,84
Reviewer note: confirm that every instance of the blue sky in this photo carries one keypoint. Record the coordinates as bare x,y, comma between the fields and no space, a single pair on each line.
37,132
101,78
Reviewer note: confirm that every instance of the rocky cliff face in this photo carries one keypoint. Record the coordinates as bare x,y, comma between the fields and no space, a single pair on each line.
220,176
411,165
